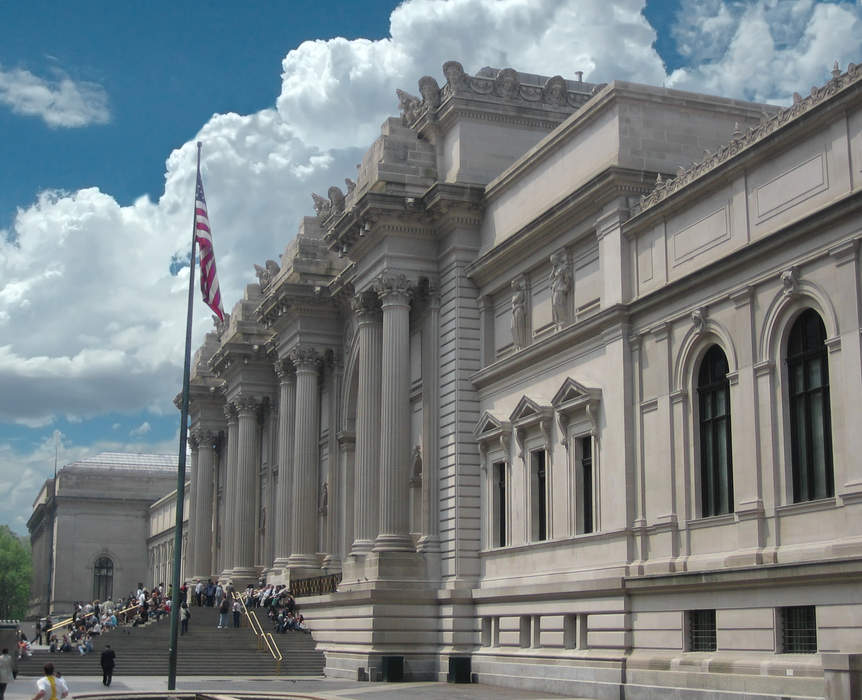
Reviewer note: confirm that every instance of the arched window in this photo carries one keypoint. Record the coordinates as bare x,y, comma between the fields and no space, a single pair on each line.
103,579
810,421
716,466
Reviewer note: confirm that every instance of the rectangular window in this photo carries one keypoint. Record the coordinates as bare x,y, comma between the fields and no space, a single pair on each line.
538,479
798,629
586,479
701,630
575,631
500,529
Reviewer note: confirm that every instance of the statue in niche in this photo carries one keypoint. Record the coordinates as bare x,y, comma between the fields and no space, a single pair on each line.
324,498
430,91
561,285
410,107
519,313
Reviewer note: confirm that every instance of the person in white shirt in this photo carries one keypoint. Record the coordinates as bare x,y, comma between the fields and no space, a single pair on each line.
7,671
50,687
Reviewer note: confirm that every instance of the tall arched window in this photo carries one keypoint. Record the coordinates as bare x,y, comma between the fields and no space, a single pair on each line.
103,579
810,421
716,466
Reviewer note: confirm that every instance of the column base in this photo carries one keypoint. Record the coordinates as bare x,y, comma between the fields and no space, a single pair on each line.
240,577
394,566
393,543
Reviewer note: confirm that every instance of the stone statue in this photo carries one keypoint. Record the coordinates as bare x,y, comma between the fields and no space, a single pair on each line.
350,185
555,91
561,285
430,91
265,275
506,84
322,206
336,199
221,326
455,76
324,498
410,107
519,313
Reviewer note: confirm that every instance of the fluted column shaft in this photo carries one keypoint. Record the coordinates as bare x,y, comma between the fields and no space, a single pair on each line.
347,462
367,423
286,427
394,532
193,443
230,489
201,564
303,511
245,524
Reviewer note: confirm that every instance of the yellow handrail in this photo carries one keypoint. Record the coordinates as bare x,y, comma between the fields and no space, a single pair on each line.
257,629
280,657
69,619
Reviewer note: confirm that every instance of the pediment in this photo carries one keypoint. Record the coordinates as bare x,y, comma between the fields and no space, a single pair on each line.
527,410
489,426
572,394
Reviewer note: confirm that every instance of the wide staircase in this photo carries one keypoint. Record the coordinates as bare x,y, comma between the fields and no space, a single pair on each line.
204,651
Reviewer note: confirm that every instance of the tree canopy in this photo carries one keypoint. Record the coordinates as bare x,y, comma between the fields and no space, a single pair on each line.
14,574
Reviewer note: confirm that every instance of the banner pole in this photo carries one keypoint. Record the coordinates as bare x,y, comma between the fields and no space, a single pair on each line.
181,467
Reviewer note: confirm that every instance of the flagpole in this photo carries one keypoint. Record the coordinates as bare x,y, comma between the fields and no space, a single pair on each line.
181,468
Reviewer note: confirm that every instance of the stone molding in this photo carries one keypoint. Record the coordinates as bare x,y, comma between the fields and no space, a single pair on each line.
742,141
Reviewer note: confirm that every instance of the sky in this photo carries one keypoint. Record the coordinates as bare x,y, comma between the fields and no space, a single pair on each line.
101,104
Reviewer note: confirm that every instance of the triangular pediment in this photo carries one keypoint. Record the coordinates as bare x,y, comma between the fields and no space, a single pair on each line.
527,408
572,391
487,425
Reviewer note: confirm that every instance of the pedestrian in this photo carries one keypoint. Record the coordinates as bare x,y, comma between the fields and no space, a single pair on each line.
237,610
223,610
7,671
38,638
185,616
51,687
107,661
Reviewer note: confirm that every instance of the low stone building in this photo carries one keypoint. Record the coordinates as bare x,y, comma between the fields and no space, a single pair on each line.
89,528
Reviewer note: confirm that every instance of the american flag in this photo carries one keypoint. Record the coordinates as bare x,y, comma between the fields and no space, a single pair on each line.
209,278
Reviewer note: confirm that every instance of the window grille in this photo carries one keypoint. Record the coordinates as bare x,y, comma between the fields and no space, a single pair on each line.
799,630
701,630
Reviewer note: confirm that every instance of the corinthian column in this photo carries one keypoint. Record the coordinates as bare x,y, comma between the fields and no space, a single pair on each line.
303,525
286,427
230,490
245,524
193,443
394,535
203,506
367,422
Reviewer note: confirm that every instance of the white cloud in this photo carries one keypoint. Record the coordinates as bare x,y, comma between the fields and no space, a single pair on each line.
60,103
141,430
764,50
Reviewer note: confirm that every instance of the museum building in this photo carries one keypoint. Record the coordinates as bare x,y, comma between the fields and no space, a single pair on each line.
559,394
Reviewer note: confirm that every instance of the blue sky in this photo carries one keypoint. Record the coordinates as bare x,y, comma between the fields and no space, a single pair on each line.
100,105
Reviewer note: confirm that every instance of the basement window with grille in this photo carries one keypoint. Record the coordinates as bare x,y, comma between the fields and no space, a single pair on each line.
701,630
798,629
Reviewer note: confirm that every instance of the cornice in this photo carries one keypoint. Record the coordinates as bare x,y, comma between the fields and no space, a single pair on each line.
290,299
772,129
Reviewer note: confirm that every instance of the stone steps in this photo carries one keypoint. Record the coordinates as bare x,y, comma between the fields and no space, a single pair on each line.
205,650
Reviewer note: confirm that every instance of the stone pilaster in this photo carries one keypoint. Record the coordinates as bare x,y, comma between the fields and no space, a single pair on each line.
230,489
284,491
201,565
367,422
347,467
303,525
394,524
429,543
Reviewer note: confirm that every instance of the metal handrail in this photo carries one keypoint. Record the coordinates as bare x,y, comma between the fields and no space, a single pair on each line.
271,639
69,619
257,629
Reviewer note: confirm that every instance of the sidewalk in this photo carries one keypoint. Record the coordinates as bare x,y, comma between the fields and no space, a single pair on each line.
316,688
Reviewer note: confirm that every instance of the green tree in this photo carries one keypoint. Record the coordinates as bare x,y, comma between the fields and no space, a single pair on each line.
14,574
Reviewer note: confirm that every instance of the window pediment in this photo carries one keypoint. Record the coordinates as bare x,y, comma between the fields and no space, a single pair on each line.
490,431
574,398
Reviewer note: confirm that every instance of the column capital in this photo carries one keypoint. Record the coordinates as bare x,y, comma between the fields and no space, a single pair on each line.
285,371
230,413
193,441
393,288
366,306
203,436
305,358
247,405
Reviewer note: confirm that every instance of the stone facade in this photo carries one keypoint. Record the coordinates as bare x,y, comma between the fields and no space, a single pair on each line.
545,395
89,528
